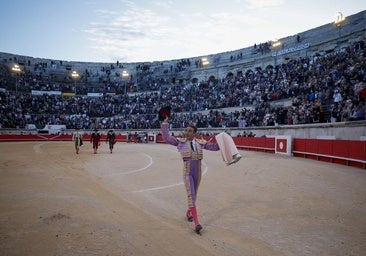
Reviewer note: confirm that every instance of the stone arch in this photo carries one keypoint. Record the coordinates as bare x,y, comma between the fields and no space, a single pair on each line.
230,74
239,73
269,66
194,80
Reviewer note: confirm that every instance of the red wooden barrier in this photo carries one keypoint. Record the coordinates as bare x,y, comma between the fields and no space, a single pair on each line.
255,144
350,153
346,152
52,137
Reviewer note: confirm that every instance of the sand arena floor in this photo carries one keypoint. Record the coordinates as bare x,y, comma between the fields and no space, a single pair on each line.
132,202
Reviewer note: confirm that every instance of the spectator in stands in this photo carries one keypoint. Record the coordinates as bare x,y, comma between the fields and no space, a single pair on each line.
299,79
359,112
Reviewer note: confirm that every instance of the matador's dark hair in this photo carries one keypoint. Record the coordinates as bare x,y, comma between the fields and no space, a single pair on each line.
193,126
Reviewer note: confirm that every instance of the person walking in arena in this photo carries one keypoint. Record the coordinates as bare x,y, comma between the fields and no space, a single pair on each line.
77,139
191,150
95,139
111,138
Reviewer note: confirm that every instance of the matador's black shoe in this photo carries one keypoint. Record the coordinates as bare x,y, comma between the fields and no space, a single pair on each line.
189,216
198,229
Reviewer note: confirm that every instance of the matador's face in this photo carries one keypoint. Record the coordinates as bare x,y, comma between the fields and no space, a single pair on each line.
190,133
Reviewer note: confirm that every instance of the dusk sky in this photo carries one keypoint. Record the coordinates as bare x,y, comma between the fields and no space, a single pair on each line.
138,31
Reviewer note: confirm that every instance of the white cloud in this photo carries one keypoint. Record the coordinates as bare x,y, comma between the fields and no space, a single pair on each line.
167,30
164,4
129,31
257,4
142,34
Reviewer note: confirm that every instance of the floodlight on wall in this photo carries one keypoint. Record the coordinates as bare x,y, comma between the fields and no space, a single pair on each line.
125,76
75,75
204,62
275,45
339,20
16,69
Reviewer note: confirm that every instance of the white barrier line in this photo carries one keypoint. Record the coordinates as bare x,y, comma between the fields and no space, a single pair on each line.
166,186
330,156
133,171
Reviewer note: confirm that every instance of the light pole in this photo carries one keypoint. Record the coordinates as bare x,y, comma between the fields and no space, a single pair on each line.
17,70
275,45
205,63
338,22
125,76
75,75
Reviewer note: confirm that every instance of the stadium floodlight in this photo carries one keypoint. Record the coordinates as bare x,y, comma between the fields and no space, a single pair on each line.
275,45
125,76
339,20
16,68
204,62
75,75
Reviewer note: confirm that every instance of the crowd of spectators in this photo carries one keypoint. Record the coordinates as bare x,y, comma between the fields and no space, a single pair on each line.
330,88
